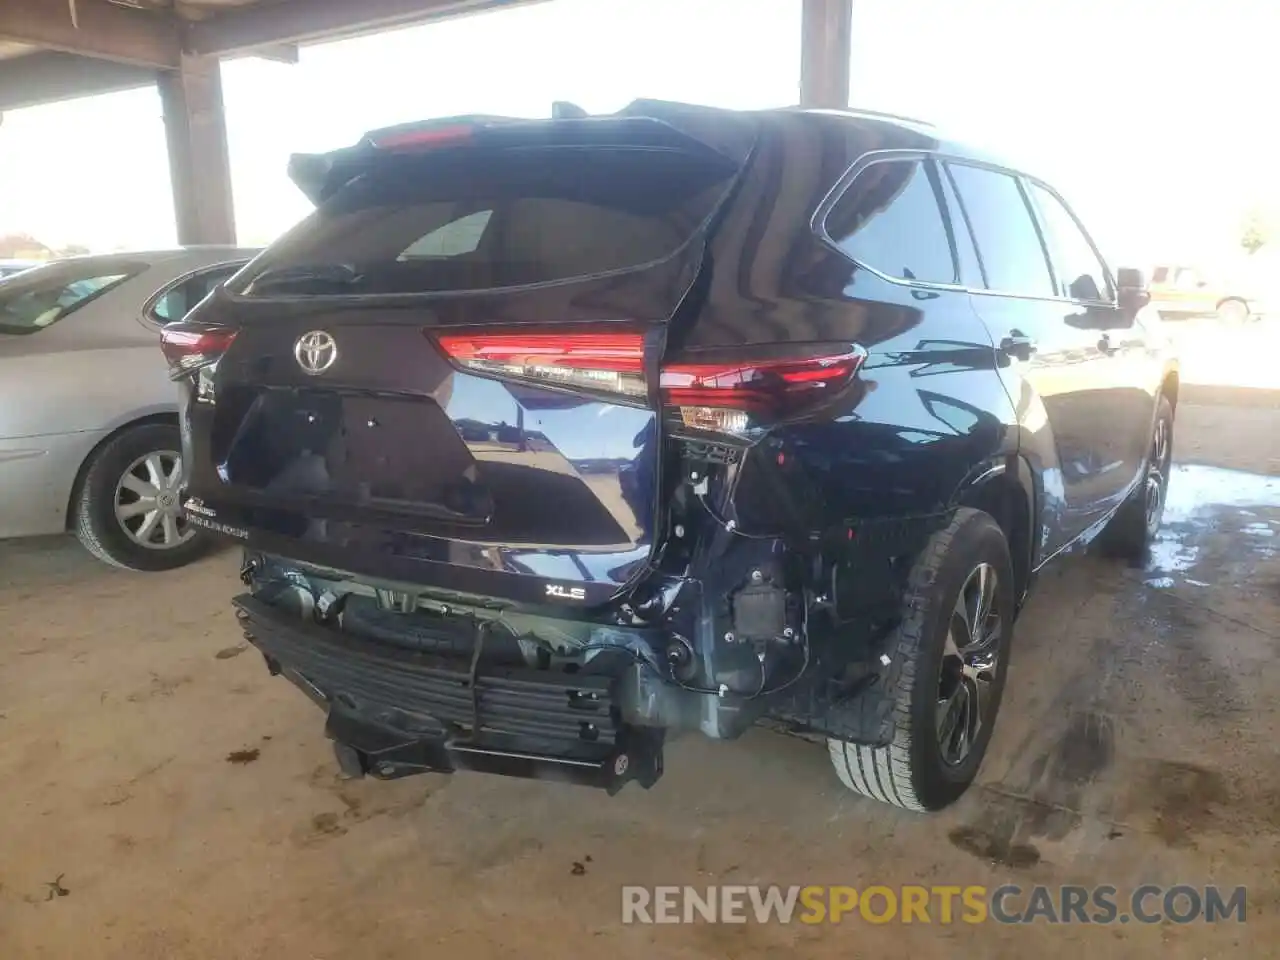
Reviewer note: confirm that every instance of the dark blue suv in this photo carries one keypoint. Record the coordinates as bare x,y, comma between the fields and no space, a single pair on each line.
543,438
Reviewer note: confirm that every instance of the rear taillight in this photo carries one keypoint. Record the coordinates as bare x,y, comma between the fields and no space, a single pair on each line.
190,347
729,397
598,363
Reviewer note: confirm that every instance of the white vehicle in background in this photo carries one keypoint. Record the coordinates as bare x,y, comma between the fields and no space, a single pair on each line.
1179,292
89,437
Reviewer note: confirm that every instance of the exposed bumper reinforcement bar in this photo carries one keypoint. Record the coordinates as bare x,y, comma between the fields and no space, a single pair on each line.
394,712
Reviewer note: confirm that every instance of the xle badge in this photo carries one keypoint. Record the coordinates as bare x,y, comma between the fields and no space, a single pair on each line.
566,593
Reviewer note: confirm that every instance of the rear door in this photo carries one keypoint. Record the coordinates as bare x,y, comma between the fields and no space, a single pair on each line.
1050,364
454,358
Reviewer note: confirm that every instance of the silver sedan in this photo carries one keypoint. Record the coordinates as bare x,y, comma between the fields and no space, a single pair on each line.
89,436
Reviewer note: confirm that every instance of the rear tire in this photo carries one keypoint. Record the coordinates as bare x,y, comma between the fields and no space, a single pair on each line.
963,578
1133,529
108,513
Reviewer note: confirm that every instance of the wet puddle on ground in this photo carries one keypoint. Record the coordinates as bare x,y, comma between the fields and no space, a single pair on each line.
1197,646
1214,517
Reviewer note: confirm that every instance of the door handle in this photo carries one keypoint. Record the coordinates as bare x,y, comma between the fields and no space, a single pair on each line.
1018,345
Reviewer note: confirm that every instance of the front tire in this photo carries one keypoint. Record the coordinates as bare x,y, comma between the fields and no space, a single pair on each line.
952,648
1133,529
126,508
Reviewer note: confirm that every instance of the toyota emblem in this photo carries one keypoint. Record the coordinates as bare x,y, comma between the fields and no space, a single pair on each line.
315,352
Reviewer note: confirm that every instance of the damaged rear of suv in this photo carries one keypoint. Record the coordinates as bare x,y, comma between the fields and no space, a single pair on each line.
545,438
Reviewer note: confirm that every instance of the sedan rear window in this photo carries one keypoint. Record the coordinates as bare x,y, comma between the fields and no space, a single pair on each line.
465,220
41,297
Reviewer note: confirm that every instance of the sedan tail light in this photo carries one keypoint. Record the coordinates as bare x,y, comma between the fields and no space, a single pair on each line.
190,347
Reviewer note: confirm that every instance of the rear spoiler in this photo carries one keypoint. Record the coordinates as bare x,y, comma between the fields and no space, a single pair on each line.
644,123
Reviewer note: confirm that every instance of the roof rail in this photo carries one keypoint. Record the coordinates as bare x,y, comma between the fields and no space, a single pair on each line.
883,115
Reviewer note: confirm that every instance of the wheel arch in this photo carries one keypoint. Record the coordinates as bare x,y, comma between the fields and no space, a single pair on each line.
1169,386
1235,298
164,417
1005,490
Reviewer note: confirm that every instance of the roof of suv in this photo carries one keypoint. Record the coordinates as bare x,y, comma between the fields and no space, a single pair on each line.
942,140
888,130
731,133
894,130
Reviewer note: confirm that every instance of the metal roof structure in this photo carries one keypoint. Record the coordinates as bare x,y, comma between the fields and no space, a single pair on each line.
54,49
59,49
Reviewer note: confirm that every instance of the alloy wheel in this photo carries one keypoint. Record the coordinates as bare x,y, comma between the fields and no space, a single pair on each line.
1157,482
970,662
147,503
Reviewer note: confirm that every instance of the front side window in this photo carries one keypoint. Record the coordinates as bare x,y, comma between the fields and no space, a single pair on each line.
889,219
39,298
1080,274
1008,243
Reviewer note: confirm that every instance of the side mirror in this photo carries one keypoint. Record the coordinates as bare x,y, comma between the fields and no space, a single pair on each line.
1132,294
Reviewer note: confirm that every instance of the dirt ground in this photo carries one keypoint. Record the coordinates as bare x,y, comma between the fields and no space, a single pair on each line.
162,797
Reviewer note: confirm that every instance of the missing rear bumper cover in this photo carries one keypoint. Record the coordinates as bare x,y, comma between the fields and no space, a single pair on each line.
403,711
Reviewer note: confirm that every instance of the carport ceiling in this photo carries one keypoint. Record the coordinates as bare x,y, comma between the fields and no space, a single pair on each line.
52,49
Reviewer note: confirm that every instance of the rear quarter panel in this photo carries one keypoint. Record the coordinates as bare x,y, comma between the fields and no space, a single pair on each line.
90,388
54,409
930,413
36,477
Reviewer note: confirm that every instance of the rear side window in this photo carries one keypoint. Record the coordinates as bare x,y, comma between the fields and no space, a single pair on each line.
1076,265
889,219
39,298
1006,236
176,302
463,220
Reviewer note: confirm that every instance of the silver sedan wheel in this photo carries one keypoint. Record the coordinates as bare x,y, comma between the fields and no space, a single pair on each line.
970,660
147,502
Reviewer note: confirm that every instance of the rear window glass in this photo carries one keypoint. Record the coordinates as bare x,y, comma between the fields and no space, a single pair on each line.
467,220
39,298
